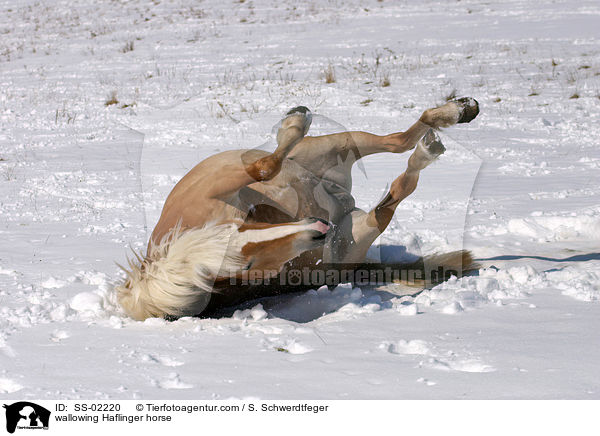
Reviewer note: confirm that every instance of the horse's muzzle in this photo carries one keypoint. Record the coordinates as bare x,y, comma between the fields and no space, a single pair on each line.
320,226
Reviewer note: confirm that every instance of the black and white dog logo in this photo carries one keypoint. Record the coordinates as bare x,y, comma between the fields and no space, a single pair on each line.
26,415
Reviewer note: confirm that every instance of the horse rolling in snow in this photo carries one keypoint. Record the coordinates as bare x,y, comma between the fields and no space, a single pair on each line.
252,213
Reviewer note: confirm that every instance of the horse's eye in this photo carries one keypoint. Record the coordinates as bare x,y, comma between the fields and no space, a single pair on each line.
249,265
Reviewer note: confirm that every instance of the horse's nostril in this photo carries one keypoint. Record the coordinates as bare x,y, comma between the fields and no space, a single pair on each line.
319,225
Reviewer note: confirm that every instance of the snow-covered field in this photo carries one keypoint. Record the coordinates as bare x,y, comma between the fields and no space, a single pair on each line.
105,104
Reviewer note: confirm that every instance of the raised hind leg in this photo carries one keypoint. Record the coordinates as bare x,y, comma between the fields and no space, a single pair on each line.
359,229
254,165
332,156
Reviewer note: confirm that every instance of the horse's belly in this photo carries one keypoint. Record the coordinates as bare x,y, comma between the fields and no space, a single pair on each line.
299,194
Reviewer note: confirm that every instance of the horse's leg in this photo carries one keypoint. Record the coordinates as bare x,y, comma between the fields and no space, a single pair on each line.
255,166
359,229
323,155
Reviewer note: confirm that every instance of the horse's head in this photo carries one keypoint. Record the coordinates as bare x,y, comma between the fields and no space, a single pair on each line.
177,275
267,247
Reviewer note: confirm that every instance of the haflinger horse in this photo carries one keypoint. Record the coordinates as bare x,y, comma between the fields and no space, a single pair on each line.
251,213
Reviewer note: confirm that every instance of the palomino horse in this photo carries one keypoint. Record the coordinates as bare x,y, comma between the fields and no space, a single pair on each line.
252,212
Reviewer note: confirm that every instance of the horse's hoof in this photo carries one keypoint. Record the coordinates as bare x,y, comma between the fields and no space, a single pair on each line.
428,149
469,109
433,144
298,109
301,111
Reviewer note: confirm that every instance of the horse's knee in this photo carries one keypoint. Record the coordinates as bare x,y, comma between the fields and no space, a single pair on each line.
443,116
265,169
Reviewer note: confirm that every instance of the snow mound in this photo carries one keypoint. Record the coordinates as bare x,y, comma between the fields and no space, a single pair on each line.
257,313
53,283
172,381
415,346
160,359
405,308
291,346
467,365
436,359
87,302
581,281
59,335
557,228
491,286
573,282
8,386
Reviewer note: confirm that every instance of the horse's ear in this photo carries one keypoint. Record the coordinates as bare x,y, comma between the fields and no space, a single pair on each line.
4,405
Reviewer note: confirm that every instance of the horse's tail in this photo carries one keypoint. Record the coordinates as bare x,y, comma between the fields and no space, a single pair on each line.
176,277
428,271
424,272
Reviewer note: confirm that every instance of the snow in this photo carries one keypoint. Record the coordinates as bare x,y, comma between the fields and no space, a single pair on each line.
8,386
446,361
83,182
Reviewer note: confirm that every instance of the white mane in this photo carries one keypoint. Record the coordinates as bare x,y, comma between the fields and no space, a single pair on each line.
177,275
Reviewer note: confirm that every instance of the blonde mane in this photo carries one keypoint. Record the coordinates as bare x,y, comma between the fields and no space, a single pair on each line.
177,275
